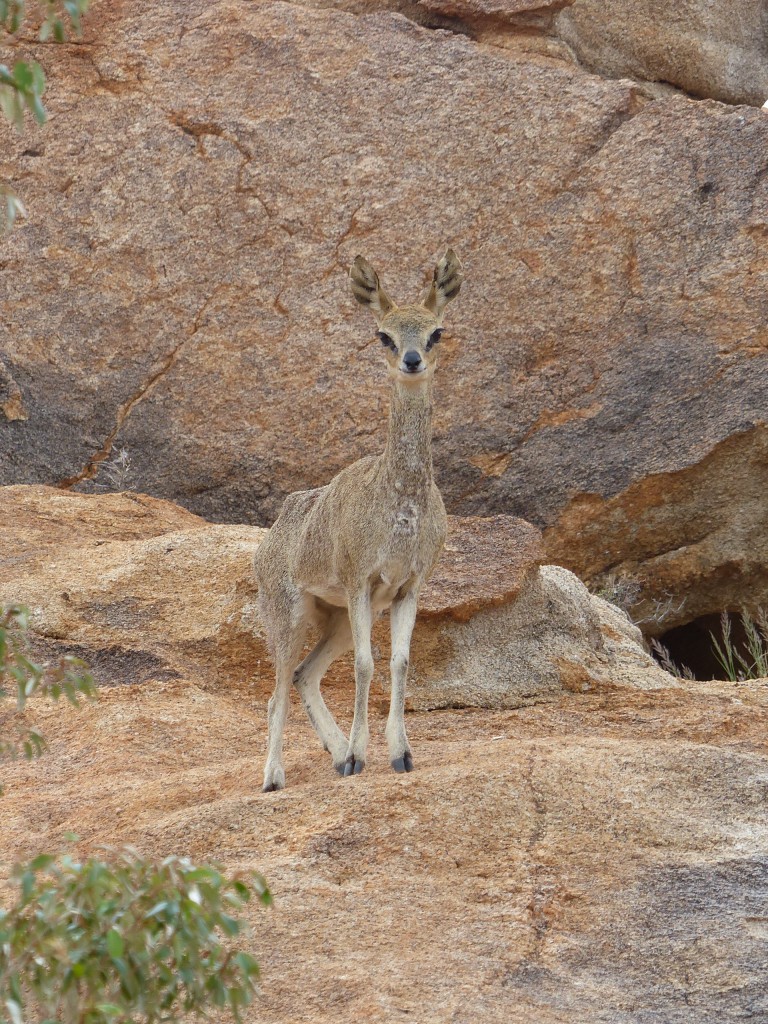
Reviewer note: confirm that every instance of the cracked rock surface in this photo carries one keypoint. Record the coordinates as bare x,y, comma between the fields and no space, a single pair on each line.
210,170
602,859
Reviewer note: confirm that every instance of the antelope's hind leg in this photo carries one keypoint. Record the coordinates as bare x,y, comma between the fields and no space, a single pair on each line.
274,773
287,651
335,641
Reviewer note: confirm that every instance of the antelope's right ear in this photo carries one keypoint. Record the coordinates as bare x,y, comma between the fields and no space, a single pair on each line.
367,290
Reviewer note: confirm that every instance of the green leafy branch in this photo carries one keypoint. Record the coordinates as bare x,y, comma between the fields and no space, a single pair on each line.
55,13
23,85
69,678
111,943
22,88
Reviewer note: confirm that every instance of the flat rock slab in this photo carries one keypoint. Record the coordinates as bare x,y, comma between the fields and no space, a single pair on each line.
37,522
484,563
511,12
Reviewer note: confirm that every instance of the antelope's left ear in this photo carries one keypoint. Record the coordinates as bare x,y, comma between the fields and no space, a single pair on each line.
446,283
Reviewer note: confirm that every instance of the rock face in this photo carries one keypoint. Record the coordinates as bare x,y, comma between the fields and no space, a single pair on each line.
140,588
485,563
145,591
209,172
694,541
11,405
705,47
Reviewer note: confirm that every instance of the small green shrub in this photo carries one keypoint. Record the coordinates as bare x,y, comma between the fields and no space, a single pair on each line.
115,943
750,659
22,678
110,943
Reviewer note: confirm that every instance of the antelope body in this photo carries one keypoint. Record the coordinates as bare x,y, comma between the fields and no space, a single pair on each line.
340,554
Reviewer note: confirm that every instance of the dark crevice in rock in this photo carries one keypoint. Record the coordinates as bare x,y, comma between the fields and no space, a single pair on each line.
706,55
91,467
535,30
502,31
660,88
693,647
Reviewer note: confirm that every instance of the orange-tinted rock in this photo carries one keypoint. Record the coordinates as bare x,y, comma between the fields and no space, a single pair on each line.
559,864
37,523
11,404
551,863
512,13
695,541
484,563
140,588
553,636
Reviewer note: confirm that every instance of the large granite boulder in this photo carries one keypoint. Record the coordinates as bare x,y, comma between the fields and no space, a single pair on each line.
210,170
600,857
141,589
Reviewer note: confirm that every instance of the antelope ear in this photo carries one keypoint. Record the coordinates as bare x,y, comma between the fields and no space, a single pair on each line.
445,284
366,288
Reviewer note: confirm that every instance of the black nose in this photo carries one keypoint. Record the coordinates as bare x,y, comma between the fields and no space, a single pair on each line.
411,361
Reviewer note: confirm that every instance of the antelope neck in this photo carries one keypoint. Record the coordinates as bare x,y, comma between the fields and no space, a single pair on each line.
408,455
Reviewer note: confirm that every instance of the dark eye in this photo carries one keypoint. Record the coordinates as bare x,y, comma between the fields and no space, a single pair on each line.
434,338
386,340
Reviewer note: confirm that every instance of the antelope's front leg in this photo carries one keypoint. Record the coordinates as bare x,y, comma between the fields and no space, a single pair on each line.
402,618
361,620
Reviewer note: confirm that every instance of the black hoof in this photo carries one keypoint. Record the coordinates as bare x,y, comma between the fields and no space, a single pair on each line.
340,767
352,766
271,787
404,763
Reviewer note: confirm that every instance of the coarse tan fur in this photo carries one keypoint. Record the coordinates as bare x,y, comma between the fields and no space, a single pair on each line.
339,555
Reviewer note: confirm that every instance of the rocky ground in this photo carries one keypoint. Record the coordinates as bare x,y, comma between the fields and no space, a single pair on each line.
599,858
595,851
